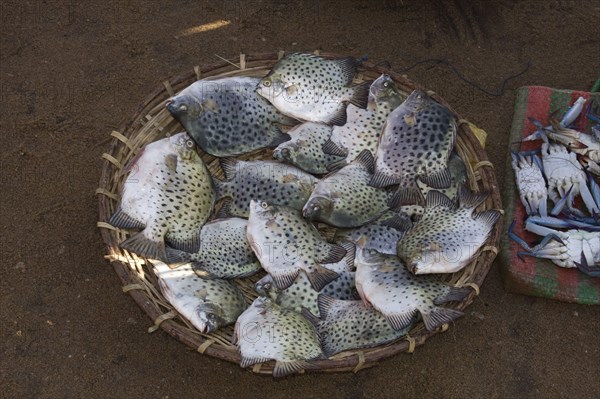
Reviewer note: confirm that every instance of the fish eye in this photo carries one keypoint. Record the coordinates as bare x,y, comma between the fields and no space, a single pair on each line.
386,84
285,152
189,143
211,316
264,205
267,83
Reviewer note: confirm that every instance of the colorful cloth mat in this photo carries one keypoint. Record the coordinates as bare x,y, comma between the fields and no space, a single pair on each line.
532,276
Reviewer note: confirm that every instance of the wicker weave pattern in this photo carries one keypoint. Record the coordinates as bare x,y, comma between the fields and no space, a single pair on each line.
152,121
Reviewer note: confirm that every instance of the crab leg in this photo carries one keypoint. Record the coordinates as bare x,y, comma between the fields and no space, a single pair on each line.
573,113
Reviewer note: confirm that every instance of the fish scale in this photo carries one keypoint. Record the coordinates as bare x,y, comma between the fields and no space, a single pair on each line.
266,332
285,244
384,282
363,127
207,304
351,324
313,88
271,181
168,194
226,117
448,235
304,150
345,199
415,143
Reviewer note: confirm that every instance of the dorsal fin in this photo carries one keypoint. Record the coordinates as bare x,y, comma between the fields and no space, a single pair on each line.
325,302
229,166
365,158
437,198
469,199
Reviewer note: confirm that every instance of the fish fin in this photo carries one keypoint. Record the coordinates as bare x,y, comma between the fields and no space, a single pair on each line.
330,253
279,137
142,245
437,198
314,320
191,244
336,165
177,257
398,222
406,196
489,217
360,94
439,316
320,277
219,188
440,179
470,199
339,118
198,267
325,302
331,148
284,280
230,167
123,221
250,361
171,162
348,66
380,179
286,368
457,294
247,274
225,210
400,321
365,158
350,253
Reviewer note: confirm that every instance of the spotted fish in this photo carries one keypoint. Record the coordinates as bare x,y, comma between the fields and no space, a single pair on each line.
381,235
384,283
312,88
226,117
207,304
285,244
363,128
224,251
266,332
345,199
345,325
302,295
304,149
168,194
271,181
448,235
415,143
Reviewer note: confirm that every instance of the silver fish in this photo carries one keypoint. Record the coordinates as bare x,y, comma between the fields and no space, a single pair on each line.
266,332
274,182
226,117
381,235
304,149
346,325
207,304
224,251
345,199
364,126
416,143
168,194
448,235
301,294
384,282
312,88
285,244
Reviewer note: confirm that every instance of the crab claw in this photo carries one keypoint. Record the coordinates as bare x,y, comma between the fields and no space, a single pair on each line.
551,247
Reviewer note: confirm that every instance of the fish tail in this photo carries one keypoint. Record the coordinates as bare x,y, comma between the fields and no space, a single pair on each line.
360,94
176,257
320,277
454,294
189,244
439,316
144,246
408,195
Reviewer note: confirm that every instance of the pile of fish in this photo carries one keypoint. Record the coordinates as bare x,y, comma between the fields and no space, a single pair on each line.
562,168
366,159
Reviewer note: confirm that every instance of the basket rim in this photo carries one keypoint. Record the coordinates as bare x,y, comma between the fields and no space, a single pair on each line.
356,359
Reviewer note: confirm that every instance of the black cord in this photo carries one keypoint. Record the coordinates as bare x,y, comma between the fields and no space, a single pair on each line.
467,80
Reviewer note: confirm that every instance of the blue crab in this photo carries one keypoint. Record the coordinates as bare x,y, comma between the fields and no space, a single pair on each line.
530,182
579,246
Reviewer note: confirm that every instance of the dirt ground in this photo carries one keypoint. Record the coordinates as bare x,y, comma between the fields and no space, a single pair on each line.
73,71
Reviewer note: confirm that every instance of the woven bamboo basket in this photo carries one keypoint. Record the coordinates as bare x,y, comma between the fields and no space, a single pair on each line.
152,122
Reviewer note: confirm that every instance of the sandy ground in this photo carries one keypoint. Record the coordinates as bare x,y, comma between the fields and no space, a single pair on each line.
73,71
